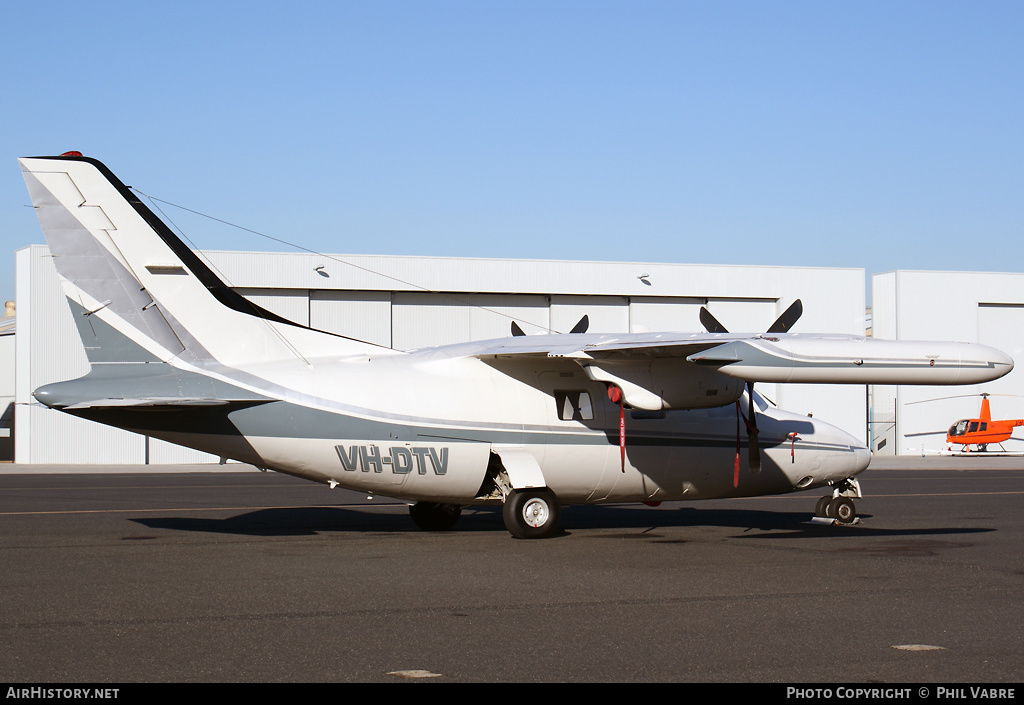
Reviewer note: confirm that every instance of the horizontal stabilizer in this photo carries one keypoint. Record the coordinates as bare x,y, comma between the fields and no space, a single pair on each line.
143,387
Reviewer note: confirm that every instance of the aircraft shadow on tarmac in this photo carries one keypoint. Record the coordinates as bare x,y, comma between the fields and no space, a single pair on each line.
627,521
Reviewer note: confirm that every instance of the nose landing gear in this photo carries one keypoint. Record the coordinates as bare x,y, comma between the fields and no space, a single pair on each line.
838,507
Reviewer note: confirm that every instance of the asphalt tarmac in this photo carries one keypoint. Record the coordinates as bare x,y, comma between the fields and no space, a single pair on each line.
239,576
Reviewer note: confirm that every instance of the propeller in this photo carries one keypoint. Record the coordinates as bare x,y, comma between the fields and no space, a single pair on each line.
782,324
710,322
753,447
788,318
580,327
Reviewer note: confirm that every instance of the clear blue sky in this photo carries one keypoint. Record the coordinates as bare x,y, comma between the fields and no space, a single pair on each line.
880,135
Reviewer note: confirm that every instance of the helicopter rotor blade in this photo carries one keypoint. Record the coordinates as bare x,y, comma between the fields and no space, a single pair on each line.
960,396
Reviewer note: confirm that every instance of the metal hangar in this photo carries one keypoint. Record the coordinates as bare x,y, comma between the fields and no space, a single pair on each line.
413,302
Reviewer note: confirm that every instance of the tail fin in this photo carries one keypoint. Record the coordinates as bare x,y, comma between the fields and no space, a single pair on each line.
125,270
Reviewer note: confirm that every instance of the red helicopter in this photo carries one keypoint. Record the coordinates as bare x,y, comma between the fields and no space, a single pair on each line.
982,430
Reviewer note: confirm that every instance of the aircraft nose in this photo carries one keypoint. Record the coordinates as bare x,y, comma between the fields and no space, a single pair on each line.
861,459
818,453
833,455
847,455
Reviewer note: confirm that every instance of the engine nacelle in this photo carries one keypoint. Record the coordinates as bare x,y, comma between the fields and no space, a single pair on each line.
666,383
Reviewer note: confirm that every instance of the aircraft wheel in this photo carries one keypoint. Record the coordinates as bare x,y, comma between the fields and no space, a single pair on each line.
531,514
821,508
842,510
433,516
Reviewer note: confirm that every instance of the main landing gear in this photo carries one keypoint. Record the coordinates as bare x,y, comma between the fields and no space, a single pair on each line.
531,513
434,516
528,514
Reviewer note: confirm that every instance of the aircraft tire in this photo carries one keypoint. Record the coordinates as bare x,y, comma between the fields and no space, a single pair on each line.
821,508
532,513
842,510
433,516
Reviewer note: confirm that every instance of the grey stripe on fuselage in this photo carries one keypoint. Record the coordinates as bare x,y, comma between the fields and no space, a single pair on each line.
121,369
281,419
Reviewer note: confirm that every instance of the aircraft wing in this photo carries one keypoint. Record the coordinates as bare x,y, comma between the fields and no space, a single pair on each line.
651,369
576,345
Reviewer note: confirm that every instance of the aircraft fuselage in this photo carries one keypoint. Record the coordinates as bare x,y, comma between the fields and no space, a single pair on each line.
424,429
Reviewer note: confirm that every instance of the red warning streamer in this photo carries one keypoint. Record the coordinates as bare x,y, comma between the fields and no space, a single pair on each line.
615,394
736,463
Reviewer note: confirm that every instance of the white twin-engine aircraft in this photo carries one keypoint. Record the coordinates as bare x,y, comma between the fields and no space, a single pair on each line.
529,422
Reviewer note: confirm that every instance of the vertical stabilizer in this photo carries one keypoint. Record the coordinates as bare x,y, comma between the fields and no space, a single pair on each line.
125,271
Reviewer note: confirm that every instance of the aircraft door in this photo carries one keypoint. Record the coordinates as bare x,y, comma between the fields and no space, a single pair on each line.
577,450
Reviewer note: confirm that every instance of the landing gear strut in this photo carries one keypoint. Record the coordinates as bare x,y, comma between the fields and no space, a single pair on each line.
531,513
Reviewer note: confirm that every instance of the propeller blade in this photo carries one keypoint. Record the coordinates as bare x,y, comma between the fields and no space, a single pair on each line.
582,326
789,317
516,330
710,323
753,446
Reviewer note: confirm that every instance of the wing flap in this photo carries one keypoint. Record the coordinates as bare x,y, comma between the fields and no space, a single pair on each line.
162,403
582,345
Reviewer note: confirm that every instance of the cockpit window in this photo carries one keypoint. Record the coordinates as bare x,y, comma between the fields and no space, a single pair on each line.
959,428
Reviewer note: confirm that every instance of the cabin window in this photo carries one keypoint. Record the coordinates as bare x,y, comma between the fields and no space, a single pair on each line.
574,405
974,426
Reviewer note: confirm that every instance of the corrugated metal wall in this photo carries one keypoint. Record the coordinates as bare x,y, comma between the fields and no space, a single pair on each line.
976,307
49,350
